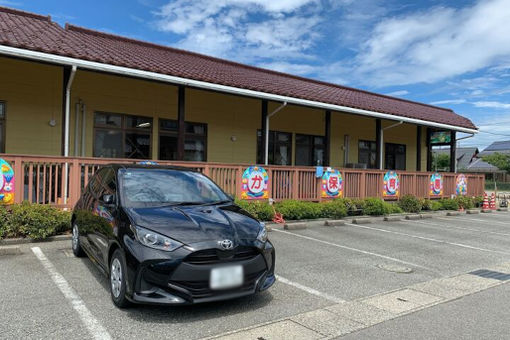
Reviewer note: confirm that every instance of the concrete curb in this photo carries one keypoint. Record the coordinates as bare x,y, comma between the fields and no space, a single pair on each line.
392,218
10,250
486,211
362,220
426,216
502,209
453,213
295,226
334,223
10,241
472,211
413,217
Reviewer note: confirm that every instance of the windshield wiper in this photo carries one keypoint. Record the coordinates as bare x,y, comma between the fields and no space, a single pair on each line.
218,202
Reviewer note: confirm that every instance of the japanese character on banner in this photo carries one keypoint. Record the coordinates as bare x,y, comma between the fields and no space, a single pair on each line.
254,183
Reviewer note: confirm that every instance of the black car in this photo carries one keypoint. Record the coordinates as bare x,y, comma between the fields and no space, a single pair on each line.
170,235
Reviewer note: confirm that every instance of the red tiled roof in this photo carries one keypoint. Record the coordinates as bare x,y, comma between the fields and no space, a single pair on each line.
38,33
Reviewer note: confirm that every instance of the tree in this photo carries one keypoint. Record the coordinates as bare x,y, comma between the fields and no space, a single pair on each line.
499,160
440,161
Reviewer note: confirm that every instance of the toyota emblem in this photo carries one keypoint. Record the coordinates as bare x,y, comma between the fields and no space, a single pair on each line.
226,244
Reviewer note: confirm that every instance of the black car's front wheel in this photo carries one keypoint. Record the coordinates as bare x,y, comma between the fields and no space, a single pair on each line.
118,279
75,242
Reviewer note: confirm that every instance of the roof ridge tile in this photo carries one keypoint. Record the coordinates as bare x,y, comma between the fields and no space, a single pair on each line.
25,13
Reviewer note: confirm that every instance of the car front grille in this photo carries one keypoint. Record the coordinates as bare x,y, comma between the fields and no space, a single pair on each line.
201,289
213,256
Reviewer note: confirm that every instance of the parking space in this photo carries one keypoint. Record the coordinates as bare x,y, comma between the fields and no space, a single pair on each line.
317,267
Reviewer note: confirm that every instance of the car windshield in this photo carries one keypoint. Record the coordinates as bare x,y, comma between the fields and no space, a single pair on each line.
159,187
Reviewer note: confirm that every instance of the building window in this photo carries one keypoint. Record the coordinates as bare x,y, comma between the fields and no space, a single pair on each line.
279,150
395,156
195,140
367,153
122,136
310,150
2,127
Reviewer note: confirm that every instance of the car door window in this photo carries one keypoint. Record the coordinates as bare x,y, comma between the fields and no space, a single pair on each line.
108,185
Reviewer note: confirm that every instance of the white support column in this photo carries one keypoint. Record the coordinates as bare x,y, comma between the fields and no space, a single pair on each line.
66,130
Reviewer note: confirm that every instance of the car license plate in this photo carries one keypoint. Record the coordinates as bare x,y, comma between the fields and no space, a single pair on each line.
226,277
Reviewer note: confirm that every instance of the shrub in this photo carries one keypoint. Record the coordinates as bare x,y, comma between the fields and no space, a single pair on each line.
259,209
449,204
392,208
435,205
410,204
426,204
465,202
374,206
298,210
336,208
478,201
36,221
354,206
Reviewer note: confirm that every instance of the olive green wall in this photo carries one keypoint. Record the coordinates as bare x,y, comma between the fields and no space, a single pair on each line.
32,93
33,96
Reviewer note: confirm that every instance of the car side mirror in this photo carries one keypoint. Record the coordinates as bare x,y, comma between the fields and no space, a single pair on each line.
108,199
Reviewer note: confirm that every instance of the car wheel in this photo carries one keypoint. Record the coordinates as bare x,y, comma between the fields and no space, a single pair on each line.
75,242
118,279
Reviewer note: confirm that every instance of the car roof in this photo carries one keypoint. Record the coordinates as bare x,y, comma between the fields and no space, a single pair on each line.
117,166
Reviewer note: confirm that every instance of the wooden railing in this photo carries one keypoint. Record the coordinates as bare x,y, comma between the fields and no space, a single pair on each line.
42,179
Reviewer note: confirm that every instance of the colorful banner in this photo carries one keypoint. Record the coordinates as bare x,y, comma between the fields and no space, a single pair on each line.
255,183
436,185
440,137
6,183
391,184
332,184
461,185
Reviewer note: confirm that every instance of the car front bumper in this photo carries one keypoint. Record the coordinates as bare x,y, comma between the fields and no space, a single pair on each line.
174,281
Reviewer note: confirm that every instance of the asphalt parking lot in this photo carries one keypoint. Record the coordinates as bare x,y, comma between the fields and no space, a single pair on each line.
59,296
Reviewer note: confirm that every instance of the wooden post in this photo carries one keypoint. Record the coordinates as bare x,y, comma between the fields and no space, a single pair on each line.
181,119
418,148
453,152
263,127
378,142
327,134
295,184
19,177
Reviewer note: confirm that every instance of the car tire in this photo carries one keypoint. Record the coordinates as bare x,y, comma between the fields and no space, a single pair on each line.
118,279
75,242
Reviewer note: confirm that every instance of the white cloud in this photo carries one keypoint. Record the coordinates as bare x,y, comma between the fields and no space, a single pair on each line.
436,44
398,93
492,104
449,101
244,30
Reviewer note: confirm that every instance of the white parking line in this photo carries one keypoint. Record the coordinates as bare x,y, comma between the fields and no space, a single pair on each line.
94,327
440,226
475,220
428,239
356,250
309,290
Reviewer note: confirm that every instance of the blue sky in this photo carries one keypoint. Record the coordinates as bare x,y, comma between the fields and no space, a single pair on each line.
448,53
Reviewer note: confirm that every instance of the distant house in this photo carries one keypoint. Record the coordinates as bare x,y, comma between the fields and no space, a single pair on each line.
491,172
464,157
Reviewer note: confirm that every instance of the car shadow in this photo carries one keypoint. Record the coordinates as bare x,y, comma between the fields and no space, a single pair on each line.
184,314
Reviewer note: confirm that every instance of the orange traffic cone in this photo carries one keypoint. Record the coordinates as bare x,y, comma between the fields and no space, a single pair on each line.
485,205
493,201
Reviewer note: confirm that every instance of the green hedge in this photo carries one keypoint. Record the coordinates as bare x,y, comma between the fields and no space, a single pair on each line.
410,204
36,221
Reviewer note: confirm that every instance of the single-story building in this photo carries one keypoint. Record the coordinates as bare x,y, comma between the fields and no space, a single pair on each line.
72,93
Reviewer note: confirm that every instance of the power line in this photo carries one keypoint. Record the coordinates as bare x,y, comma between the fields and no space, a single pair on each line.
493,133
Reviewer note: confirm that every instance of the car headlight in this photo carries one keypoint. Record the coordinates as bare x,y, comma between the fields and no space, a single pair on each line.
154,240
262,236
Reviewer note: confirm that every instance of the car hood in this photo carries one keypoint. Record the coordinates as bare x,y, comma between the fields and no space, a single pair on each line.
192,224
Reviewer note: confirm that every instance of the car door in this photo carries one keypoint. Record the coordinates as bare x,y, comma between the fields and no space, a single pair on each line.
104,208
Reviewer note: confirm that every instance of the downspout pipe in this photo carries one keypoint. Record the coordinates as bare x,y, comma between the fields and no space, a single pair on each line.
269,115
382,142
66,129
